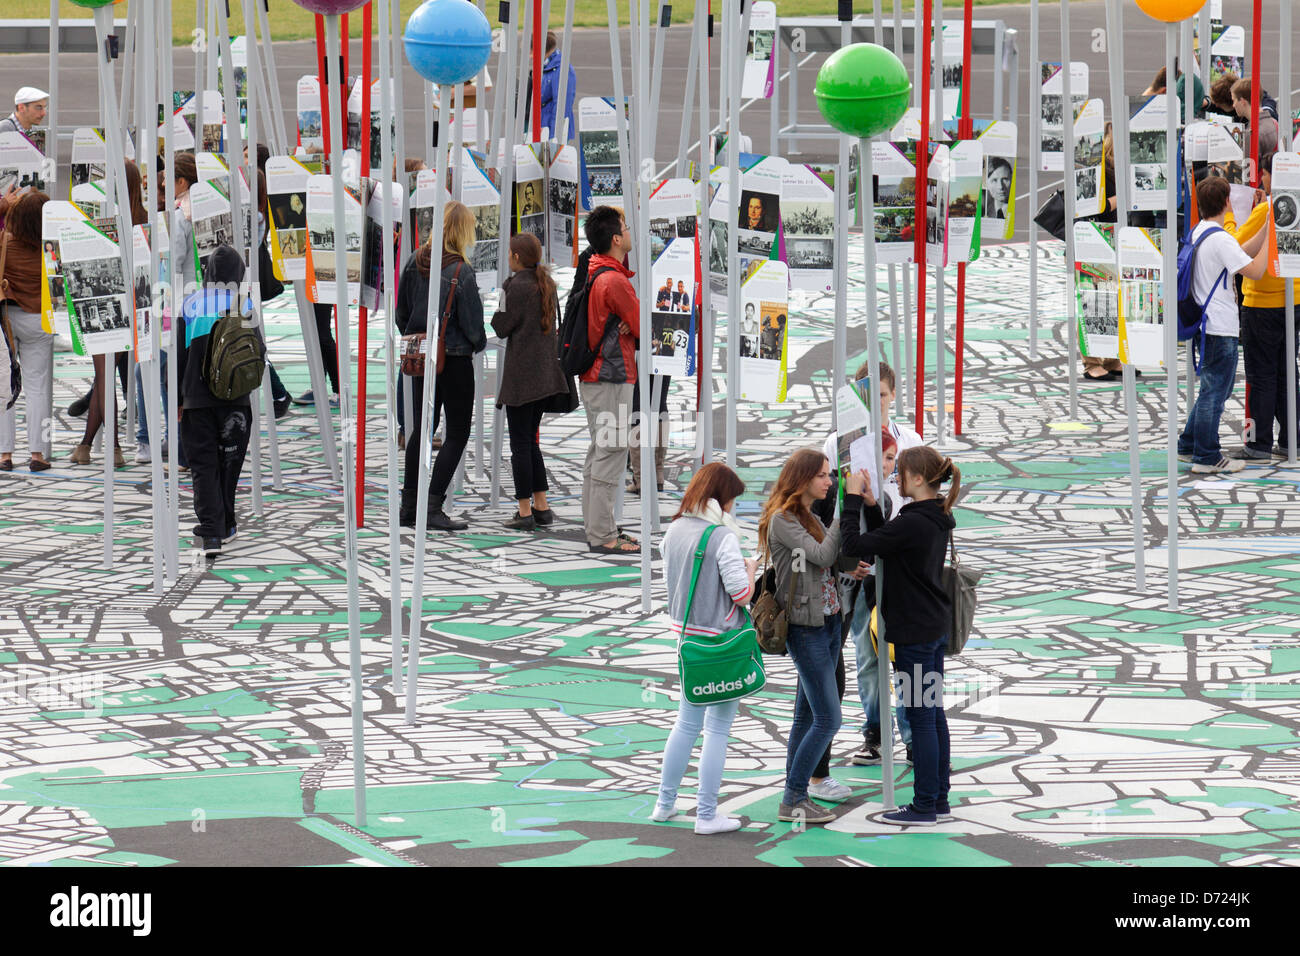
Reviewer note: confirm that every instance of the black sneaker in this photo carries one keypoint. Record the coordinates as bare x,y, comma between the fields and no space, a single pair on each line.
211,547
79,407
282,406
908,758
1280,452
522,523
543,516
306,398
868,756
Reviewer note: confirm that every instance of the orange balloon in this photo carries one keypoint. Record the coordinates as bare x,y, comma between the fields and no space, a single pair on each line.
1170,11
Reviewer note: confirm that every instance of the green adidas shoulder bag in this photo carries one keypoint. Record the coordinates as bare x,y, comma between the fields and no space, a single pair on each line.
719,667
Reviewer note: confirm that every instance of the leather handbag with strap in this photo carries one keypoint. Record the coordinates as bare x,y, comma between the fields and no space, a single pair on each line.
771,621
413,345
959,583
715,668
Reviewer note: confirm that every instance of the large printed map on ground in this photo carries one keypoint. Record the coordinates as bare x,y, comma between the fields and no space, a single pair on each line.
1090,727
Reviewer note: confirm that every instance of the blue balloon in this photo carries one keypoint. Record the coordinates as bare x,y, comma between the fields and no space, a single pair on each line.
447,41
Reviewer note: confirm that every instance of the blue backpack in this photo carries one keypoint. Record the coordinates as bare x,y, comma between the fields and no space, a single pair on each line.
1191,314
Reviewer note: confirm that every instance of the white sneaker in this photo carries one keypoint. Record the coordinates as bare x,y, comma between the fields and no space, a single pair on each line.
663,814
719,824
829,789
142,456
1223,465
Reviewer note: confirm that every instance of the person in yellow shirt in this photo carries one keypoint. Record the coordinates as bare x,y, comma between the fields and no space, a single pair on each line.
1263,339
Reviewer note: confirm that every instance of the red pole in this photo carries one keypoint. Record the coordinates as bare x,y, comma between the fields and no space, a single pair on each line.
965,130
537,72
1255,94
918,239
324,89
362,315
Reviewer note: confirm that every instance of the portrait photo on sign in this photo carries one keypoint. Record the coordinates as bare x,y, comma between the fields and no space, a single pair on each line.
760,212
1098,303
1286,210
529,197
289,210
1086,183
998,173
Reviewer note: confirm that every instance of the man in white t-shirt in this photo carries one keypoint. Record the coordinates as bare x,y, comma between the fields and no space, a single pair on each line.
1218,259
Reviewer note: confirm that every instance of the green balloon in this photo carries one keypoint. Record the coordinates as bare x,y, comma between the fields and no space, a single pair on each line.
862,89
92,4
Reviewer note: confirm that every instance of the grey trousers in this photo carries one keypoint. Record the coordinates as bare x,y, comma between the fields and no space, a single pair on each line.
608,406
35,350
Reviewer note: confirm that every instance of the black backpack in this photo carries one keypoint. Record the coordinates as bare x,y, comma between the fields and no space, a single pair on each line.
576,354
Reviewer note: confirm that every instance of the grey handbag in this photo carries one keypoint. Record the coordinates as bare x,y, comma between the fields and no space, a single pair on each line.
959,583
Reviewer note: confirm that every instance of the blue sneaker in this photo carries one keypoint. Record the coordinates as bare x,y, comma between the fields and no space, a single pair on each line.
942,811
907,817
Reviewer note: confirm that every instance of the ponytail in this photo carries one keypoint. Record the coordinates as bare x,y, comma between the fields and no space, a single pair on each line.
934,470
529,250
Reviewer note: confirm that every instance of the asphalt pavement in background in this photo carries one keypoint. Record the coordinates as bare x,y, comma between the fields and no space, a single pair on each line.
591,55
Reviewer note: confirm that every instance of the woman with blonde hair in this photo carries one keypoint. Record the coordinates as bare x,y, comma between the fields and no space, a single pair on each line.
453,387
916,609
796,543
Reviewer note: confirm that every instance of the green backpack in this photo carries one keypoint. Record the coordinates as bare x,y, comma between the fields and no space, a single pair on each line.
720,667
236,357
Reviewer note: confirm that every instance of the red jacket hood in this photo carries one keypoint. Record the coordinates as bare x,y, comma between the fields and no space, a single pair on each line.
600,260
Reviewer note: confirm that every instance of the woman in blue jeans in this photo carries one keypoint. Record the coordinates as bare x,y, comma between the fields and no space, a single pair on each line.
797,545
916,609
724,587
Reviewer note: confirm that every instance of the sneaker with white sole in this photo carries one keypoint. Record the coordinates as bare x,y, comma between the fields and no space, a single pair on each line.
1185,459
908,817
868,755
829,789
719,824
663,814
804,812
1222,466
142,455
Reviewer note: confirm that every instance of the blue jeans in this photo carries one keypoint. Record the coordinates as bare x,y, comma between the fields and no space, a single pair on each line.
919,685
1200,438
715,721
815,652
869,670
142,420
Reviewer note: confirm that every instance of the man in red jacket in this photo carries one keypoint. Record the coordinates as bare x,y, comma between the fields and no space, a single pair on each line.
613,319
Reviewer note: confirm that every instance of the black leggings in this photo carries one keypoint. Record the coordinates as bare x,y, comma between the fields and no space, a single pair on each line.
455,392
526,462
329,352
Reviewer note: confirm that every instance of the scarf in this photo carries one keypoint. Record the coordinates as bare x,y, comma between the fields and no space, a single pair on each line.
712,513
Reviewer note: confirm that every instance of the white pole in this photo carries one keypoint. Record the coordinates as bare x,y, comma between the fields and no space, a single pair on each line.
174,295
1171,326
1288,440
704,361
562,134
1035,143
333,67
433,306
647,121
273,76
390,345
115,188
731,45
1067,124
1119,129
149,373
839,347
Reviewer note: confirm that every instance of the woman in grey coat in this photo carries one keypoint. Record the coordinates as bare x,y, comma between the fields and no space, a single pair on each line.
531,375
797,545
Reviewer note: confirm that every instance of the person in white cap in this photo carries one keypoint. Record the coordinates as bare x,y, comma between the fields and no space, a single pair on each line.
30,107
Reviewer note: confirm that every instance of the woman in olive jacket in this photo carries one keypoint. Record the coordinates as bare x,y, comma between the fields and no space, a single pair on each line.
531,375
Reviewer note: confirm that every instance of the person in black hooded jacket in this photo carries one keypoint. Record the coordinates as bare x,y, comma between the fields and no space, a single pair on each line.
214,432
916,609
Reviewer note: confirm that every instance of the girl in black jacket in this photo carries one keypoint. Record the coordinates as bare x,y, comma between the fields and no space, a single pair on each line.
916,609
454,385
